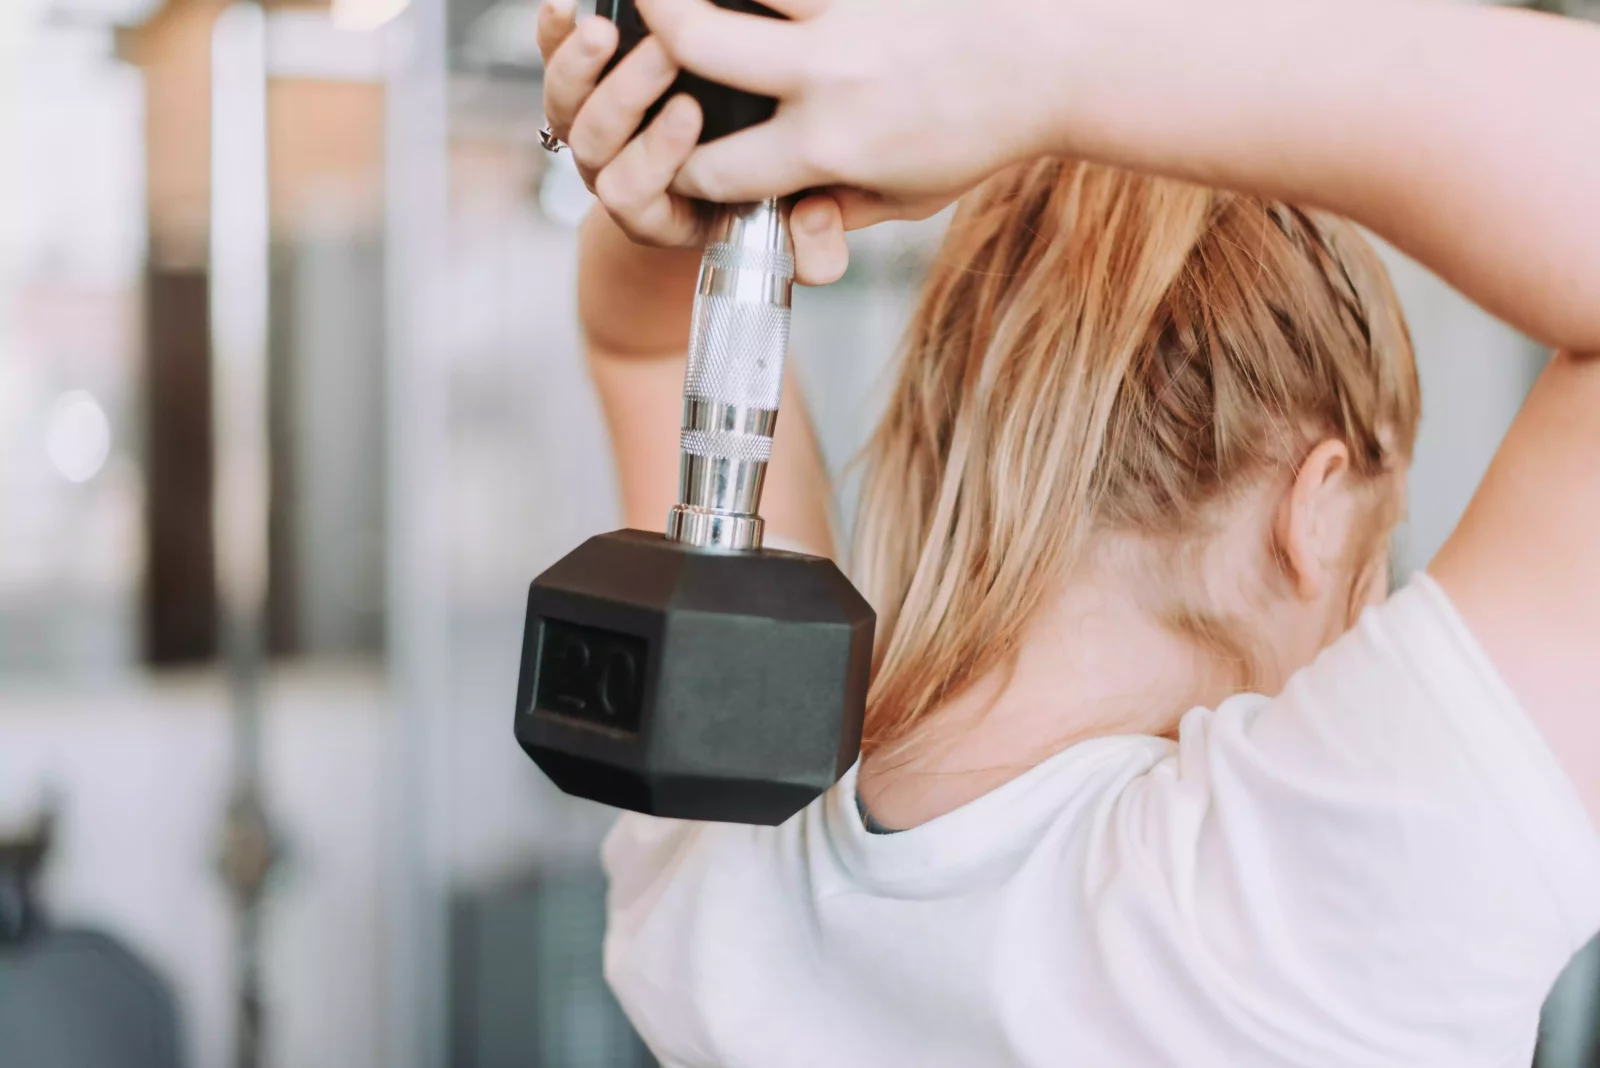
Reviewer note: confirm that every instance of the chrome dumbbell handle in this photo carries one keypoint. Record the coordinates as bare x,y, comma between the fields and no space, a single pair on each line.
734,380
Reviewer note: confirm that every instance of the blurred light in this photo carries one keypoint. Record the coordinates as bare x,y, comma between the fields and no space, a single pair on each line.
77,436
365,14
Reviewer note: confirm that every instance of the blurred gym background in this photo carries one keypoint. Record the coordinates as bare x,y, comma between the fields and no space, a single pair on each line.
291,410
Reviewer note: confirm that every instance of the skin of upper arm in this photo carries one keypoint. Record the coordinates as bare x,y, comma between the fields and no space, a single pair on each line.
1523,566
642,398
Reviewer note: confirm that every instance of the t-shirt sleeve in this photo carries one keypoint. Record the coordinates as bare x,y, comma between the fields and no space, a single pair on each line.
1383,865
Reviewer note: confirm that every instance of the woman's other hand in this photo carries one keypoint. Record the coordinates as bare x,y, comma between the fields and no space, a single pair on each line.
631,175
896,106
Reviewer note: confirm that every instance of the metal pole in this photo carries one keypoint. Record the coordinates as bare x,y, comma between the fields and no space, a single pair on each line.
239,253
416,620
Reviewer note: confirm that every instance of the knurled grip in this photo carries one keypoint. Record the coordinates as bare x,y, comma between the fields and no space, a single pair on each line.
736,351
752,447
738,338
740,334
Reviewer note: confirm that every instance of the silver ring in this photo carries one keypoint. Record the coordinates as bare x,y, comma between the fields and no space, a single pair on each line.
549,141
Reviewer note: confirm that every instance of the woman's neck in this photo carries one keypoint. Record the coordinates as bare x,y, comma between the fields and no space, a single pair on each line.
1093,663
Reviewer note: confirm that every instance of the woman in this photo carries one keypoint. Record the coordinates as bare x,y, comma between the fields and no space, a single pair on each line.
1174,780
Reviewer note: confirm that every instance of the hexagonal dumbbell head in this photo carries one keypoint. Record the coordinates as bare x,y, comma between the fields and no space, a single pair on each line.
690,683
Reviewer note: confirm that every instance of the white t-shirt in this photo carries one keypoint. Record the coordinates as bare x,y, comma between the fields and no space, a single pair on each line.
1384,865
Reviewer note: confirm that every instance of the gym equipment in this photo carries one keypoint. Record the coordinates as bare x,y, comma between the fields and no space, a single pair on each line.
72,998
698,675
248,846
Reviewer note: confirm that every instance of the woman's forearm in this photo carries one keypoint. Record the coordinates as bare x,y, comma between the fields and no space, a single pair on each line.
1468,137
633,300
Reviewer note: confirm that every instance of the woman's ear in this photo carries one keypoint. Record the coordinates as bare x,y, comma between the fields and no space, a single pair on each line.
1313,523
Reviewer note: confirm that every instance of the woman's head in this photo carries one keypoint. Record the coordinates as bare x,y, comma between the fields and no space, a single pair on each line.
1212,395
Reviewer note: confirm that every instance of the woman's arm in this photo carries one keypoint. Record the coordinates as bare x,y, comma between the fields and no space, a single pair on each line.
1464,135
1467,136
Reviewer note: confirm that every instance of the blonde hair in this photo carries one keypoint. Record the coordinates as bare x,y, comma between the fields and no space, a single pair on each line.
1097,350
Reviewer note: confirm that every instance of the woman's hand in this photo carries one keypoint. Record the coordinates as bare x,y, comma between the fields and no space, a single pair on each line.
631,175
897,106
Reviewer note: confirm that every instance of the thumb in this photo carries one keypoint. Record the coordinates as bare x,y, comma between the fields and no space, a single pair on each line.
820,252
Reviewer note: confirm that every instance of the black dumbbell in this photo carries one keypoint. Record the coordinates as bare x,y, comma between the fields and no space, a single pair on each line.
698,675
723,110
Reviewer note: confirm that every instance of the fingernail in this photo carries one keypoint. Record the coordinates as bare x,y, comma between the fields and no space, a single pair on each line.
563,8
680,114
815,221
596,33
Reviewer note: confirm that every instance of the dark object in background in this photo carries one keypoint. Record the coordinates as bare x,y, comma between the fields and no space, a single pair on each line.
526,981
180,594
21,860
72,999
1569,1027
726,110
